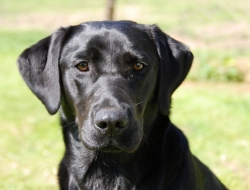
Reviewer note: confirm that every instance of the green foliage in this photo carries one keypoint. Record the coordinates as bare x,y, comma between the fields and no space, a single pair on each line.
216,66
221,72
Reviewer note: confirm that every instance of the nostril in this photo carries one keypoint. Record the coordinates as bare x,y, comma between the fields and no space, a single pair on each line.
102,125
121,124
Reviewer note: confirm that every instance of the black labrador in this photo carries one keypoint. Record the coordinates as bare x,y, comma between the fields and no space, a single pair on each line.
112,82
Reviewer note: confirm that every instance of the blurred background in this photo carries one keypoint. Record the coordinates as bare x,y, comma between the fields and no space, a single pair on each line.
212,106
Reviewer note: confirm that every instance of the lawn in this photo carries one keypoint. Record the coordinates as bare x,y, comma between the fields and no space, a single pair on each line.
214,115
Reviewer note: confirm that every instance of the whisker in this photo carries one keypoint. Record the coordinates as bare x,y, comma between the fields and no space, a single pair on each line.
68,124
138,103
77,131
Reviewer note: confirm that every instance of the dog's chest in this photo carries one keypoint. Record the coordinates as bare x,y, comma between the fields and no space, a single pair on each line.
103,180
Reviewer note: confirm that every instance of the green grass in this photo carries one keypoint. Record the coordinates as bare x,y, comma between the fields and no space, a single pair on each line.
30,148
215,117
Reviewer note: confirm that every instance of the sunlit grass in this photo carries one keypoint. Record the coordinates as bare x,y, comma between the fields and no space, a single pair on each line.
215,117
31,143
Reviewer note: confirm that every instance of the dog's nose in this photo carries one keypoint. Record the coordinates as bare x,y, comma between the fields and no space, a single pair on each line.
111,121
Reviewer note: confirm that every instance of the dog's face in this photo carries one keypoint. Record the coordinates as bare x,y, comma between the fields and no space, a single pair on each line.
109,76
114,79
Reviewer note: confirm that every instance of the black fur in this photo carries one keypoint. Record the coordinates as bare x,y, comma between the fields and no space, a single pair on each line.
115,117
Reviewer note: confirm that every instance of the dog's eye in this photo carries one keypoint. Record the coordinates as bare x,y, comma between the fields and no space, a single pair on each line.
83,66
138,66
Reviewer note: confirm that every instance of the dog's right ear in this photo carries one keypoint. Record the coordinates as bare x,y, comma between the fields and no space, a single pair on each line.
39,68
175,60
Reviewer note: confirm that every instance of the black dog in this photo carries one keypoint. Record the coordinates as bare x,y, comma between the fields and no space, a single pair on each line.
112,82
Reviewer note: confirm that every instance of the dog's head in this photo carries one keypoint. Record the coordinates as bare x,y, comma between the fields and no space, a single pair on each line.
112,78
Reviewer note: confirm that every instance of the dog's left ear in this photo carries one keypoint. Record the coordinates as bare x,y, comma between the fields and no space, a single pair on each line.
39,68
175,61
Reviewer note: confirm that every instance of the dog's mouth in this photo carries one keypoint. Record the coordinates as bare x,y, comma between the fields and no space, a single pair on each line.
109,145
110,149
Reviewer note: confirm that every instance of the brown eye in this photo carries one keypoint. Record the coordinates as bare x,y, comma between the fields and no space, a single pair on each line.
83,66
138,66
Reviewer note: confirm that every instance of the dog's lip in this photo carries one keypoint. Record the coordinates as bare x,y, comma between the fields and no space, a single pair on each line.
110,149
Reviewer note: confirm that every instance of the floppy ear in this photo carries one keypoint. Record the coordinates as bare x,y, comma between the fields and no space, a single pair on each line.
39,68
175,61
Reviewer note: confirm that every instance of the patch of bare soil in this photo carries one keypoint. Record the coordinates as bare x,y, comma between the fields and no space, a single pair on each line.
220,36
49,21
